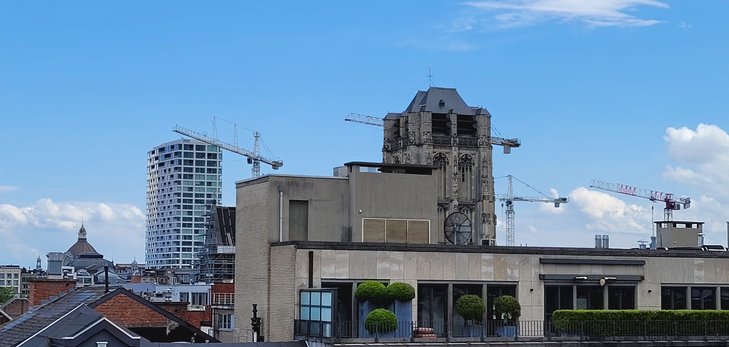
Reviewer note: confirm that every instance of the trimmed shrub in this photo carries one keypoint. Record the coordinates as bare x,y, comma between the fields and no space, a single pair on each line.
470,307
381,321
641,322
400,291
507,307
371,290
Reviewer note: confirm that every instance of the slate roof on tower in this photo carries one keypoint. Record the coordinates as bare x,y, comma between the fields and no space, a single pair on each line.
441,100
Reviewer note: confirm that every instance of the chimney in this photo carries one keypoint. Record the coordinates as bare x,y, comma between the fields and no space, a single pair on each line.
106,278
55,263
42,290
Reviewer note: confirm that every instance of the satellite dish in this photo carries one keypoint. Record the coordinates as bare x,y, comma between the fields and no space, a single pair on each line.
457,229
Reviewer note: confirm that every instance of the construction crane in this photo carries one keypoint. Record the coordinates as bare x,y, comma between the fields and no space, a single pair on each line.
254,156
508,144
363,119
509,200
671,203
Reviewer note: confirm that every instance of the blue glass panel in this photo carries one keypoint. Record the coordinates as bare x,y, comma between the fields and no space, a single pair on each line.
326,299
315,313
305,298
304,313
315,299
326,314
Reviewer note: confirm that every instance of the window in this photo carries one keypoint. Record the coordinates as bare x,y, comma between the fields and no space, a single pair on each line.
185,297
703,298
432,306
589,298
557,298
225,321
673,298
199,298
621,298
725,298
316,312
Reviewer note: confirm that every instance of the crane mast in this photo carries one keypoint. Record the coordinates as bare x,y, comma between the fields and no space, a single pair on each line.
254,157
508,144
671,203
509,200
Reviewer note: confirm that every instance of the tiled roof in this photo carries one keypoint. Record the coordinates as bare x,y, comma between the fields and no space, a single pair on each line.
81,247
25,326
18,330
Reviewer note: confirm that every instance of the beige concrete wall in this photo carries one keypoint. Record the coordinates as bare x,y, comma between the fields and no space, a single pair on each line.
680,272
281,301
405,196
252,252
328,206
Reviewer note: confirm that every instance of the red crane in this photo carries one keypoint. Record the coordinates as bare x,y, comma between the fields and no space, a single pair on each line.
652,195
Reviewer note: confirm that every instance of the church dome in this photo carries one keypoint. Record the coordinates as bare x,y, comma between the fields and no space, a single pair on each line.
81,245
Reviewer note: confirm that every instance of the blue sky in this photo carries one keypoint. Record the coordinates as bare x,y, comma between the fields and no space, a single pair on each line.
629,91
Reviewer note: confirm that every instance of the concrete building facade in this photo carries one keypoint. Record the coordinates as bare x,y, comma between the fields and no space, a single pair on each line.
328,234
10,277
184,180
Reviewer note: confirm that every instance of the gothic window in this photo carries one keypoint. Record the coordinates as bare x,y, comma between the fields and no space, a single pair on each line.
441,161
465,170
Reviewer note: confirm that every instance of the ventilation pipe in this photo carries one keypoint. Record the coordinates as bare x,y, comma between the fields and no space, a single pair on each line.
280,214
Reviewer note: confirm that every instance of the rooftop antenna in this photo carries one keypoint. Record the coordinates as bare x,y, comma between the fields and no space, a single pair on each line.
430,77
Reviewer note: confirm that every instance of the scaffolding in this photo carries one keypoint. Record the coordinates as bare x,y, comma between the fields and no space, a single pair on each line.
217,259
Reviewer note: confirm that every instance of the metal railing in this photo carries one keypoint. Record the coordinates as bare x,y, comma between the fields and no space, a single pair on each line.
532,329
223,299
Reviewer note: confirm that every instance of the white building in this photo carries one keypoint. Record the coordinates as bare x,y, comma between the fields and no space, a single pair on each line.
10,277
183,181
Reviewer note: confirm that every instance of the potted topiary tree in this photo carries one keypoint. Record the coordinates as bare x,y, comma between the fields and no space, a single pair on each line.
508,310
401,295
370,295
471,308
380,321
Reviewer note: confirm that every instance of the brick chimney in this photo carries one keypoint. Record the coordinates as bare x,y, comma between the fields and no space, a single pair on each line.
42,289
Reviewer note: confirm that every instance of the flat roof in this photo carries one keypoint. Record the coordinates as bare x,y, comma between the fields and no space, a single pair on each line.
560,251
392,167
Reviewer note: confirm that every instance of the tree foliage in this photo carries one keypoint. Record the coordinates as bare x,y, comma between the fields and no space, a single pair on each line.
470,307
6,294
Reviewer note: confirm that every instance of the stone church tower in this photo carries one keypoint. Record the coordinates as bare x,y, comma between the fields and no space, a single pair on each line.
438,128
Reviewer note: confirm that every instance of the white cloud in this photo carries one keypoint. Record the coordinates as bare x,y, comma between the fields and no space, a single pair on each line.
702,158
115,230
604,13
607,213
